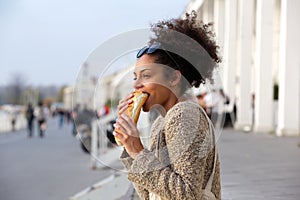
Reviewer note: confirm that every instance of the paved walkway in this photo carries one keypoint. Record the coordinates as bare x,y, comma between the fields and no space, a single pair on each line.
259,166
253,166
49,168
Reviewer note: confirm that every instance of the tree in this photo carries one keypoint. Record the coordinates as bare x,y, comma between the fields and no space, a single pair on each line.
15,88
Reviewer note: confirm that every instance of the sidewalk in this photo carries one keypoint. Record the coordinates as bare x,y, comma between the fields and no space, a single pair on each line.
259,166
253,166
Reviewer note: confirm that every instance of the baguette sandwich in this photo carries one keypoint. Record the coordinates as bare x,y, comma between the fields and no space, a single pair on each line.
134,109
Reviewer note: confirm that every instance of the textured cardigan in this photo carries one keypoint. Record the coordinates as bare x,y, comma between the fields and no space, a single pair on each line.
180,157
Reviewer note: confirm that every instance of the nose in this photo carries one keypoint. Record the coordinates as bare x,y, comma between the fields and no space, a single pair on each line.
137,84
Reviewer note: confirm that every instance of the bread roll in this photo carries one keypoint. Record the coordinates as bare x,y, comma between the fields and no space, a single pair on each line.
134,109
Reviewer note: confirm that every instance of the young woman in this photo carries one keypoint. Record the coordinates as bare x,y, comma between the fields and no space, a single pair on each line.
181,160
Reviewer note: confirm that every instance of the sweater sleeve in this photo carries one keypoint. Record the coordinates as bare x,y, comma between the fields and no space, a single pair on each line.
187,147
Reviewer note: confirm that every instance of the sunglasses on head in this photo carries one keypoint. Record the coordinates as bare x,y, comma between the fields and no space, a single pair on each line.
148,49
152,48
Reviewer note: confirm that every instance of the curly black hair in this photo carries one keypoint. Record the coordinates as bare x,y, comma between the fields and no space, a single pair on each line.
207,57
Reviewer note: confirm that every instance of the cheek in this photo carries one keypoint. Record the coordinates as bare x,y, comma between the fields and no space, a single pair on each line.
158,95
156,88
157,92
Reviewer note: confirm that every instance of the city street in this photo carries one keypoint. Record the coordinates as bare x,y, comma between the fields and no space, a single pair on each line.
49,168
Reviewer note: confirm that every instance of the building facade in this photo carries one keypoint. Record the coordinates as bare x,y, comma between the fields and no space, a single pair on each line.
260,45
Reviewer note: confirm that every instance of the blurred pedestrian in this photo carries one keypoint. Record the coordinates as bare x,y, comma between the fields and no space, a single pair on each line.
68,115
74,116
13,120
41,119
218,111
61,115
29,118
208,102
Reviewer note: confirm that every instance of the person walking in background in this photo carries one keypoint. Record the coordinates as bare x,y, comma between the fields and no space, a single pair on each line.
13,120
218,114
61,115
74,114
29,118
41,119
68,115
181,161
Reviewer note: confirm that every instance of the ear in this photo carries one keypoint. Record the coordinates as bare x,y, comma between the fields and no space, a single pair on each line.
176,77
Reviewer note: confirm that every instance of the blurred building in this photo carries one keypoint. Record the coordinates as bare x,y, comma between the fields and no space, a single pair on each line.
111,88
68,97
94,93
84,87
260,46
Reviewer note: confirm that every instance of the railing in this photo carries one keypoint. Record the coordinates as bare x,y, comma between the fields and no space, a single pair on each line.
101,154
6,125
99,143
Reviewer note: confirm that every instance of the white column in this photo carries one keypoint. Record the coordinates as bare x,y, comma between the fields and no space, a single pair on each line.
219,25
230,46
200,13
264,66
289,70
219,22
244,63
207,8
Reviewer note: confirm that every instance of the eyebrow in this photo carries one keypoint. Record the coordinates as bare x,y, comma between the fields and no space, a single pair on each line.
141,71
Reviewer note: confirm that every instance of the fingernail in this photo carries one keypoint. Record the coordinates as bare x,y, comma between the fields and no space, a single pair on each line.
114,133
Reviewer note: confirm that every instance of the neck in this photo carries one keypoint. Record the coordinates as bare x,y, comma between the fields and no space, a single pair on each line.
173,100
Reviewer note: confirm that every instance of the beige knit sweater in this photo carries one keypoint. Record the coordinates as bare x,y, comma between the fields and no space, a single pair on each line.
180,158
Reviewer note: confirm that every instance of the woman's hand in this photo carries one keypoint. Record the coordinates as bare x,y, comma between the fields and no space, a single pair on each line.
129,136
123,104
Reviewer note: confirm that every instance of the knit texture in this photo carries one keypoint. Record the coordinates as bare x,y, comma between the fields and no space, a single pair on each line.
180,157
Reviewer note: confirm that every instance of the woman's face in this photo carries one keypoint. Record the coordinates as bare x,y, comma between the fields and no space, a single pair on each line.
150,78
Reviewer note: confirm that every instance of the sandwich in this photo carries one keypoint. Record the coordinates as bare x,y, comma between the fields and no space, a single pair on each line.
134,109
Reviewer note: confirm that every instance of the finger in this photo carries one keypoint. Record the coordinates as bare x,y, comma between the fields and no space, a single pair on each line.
121,122
119,128
123,125
129,96
128,120
128,125
122,110
126,99
123,106
125,122
120,136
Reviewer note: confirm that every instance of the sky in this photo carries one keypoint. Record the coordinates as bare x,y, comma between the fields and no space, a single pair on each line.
46,41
